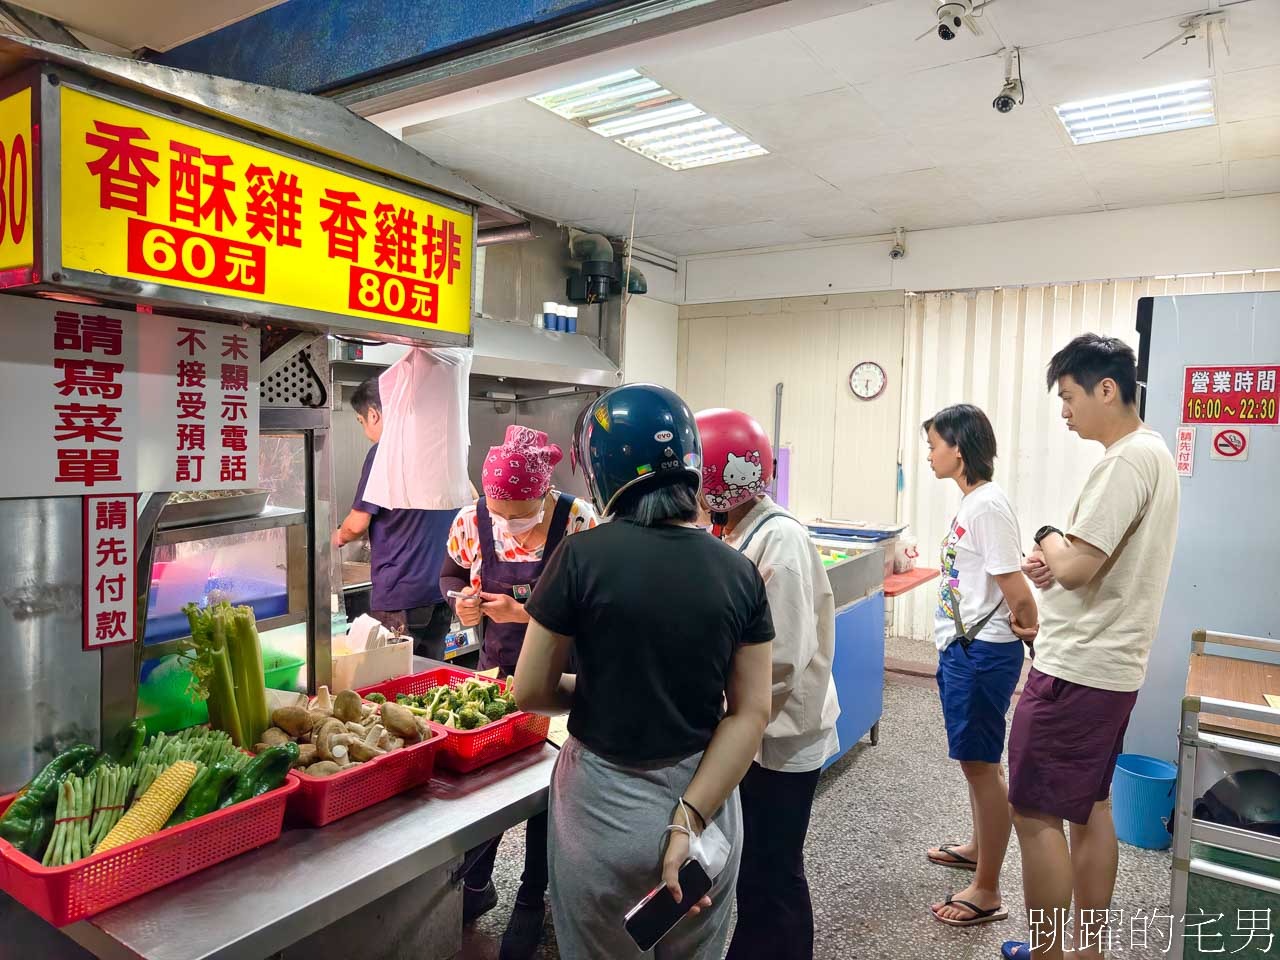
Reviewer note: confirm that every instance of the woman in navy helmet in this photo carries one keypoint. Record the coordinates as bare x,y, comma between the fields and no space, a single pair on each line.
671,633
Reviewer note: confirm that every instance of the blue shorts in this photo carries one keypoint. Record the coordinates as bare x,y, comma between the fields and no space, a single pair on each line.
976,686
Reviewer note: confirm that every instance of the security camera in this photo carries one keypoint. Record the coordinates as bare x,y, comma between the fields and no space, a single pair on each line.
951,19
899,248
1011,93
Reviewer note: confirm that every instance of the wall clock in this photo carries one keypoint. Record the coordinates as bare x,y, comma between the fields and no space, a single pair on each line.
868,380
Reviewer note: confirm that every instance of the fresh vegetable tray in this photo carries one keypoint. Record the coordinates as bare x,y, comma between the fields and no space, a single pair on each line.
467,750
322,800
63,895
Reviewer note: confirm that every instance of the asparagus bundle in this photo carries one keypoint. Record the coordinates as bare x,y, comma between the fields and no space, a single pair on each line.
70,840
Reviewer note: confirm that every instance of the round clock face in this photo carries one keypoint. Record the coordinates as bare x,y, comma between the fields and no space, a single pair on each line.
868,380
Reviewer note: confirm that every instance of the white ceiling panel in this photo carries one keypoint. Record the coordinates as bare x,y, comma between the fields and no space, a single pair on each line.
958,91
750,73
846,161
1250,94
1110,63
1030,24
158,24
1254,30
813,119
1246,177
1026,132
1250,139
1136,186
880,41
868,129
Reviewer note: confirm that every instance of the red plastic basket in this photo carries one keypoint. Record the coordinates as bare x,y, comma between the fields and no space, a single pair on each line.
322,800
63,895
468,750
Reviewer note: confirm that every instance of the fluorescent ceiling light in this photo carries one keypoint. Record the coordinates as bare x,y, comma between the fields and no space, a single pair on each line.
642,115
1179,106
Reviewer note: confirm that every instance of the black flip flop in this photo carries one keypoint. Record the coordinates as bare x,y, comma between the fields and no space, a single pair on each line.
979,916
955,860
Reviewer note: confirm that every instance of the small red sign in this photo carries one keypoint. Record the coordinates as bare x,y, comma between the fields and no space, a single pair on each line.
110,596
1215,393
406,298
1230,444
168,252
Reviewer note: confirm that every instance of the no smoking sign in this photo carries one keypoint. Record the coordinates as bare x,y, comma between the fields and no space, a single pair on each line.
1230,443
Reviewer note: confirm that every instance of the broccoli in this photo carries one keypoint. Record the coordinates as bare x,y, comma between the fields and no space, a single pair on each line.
450,720
490,692
442,715
469,717
376,698
495,709
405,700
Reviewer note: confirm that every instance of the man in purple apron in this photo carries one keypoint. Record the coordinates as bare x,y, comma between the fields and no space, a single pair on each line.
497,552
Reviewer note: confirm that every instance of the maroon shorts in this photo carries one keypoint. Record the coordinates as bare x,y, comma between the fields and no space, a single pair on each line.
1063,746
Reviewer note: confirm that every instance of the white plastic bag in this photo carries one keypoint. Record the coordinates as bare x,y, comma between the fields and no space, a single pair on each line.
421,463
905,554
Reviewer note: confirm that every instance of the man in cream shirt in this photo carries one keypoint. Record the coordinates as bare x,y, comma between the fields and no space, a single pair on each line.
1104,581
775,913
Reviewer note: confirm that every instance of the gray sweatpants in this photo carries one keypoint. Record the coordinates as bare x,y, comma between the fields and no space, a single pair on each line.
604,853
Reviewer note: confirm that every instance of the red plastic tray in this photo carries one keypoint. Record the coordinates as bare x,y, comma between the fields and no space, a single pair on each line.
63,895
322,800
468,750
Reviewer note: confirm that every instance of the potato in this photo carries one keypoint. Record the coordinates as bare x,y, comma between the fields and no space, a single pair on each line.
346,706
292,720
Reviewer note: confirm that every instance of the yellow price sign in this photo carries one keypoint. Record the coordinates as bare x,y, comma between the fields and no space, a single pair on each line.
160,201
17,207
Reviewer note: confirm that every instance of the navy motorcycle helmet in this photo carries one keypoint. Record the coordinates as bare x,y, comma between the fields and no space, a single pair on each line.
634,435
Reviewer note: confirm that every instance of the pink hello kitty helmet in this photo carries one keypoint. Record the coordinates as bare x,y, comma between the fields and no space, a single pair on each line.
737,458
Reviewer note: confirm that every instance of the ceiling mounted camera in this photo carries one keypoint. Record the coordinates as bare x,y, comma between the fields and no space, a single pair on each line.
899,248
1011,93
956,15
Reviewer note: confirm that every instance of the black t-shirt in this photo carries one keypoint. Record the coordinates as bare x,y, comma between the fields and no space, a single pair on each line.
655,614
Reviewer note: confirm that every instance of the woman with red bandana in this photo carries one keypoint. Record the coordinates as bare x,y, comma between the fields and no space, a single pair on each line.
497,551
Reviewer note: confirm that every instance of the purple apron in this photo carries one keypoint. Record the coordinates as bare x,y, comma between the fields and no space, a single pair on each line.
502,641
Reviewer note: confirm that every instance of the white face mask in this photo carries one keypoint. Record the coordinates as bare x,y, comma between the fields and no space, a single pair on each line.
518,526
711,848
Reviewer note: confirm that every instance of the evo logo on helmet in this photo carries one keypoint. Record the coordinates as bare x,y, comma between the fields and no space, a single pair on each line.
664,436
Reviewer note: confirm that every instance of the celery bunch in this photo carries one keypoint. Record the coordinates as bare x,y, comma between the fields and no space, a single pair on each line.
226,670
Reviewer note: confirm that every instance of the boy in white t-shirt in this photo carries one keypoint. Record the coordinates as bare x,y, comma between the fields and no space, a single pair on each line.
979,656
1103,583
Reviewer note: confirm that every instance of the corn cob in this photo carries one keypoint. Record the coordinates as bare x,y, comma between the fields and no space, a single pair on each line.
152,812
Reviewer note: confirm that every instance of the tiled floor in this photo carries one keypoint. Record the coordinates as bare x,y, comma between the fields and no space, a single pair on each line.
876,813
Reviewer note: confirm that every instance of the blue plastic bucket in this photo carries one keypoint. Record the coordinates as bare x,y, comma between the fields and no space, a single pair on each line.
1142,800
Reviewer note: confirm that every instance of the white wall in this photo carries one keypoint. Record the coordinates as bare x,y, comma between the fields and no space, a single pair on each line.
1204,237
844,450
650,342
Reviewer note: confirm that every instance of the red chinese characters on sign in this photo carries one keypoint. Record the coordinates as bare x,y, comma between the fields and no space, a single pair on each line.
274,211
110,553
343,223
191,344
199,188
124,168
441,249
1218,393
88,436
1184,454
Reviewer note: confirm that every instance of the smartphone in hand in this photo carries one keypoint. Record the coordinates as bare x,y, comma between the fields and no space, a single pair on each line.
657,914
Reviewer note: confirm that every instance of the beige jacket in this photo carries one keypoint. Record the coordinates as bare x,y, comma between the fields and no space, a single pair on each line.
801,734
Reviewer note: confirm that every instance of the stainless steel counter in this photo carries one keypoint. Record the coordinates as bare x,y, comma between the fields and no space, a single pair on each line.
263,901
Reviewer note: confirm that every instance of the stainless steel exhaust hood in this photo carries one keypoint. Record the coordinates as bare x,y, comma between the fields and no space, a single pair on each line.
511,351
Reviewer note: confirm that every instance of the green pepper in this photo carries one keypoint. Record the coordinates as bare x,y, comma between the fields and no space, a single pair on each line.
21,820
264,772
125,746
41,831
206,792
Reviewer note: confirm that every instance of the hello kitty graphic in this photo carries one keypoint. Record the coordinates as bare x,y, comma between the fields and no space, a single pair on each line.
739,478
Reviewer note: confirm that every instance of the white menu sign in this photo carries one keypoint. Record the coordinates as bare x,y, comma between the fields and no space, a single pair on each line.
108,401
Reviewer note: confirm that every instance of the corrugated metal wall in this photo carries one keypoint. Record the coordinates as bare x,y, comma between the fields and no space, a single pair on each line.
990,348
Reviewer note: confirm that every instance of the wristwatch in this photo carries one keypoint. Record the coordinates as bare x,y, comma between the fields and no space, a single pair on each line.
1045,531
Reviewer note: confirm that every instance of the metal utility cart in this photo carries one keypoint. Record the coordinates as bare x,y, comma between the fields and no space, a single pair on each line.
1226,727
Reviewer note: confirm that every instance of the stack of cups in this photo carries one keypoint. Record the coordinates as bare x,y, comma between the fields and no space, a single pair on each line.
546,319
572,321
